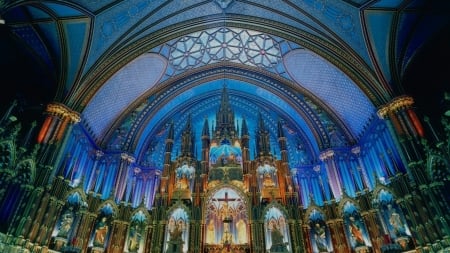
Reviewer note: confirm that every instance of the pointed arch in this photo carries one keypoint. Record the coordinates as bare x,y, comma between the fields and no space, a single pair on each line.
276,229
319,232
226,215
137,230
177,228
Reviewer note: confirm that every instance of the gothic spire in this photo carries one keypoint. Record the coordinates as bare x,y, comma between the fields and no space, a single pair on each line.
280,129
205,130
263,138
244,130
187,139
225,125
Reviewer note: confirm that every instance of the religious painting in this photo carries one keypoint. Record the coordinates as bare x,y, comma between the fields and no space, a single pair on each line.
226,218
276,231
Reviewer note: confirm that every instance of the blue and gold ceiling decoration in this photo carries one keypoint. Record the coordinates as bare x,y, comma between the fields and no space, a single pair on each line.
132,67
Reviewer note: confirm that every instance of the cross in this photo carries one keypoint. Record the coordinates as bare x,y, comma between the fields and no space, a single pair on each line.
227,218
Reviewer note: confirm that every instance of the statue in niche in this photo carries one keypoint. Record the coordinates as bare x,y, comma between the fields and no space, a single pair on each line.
267,180
278,244
226,212
171,224
355,232
66,224
182,182
211,232
241,228
396,222
227,237
175,235
100,233
320,237
135,238
175,242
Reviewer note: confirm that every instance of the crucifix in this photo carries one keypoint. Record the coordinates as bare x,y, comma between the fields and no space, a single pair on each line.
226,214
225,211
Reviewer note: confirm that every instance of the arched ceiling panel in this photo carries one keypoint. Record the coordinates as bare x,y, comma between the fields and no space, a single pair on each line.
76,34
422,32
202,101
31,37
376,23
63,10
112,23
120,26
331,86
38,14
121,90
50,32
387,3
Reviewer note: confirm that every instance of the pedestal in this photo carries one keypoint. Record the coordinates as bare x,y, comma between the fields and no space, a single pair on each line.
70,249
97,250
403,242
60,243
362,249
175,246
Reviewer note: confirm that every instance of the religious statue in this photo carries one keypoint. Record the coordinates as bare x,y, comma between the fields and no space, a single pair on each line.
210,233
267,180
182,182
135,238
66,224
225,212
278,244
227,237
172,224
175,235
320,237
396,222
241,228
355,232
175,242
100,233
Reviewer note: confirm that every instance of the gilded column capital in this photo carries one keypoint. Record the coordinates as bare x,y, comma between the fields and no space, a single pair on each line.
356,150
99,154
127,157
396,104
327,154
64,112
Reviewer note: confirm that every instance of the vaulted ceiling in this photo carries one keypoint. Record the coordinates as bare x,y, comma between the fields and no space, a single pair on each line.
130,68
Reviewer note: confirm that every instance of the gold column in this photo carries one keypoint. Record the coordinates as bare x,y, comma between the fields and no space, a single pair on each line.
118,236
55,125
307,238
84,229
370,220
148,238
340,244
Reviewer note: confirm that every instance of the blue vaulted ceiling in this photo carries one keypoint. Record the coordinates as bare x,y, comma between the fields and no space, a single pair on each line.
131,67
